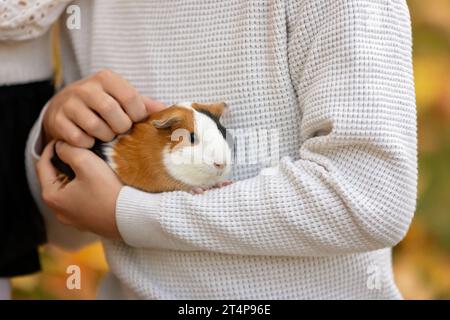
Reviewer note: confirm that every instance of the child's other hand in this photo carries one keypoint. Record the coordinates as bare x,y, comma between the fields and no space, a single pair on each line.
89,201
100,106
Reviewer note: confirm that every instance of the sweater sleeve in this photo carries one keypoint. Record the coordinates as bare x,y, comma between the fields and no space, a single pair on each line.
25,20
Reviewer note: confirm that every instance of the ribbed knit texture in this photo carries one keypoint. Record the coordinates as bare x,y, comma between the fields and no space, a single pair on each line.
332,78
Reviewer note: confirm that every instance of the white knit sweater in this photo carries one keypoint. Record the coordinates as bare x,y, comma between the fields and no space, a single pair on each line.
332,78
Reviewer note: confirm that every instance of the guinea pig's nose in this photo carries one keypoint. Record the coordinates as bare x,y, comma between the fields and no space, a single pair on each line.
219,166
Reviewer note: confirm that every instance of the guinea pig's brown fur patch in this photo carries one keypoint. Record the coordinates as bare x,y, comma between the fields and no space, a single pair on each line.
138,155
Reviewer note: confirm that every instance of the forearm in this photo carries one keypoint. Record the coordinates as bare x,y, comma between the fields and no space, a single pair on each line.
308,208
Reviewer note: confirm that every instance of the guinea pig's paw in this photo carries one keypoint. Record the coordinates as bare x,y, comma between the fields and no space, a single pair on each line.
197,190
201,190
223,184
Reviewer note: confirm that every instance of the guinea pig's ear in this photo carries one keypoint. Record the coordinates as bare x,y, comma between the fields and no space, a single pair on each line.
165,118
217,109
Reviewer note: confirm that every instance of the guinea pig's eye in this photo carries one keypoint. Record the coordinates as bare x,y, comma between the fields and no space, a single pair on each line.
193,138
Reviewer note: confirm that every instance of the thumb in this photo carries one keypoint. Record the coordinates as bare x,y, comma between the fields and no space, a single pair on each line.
153,105
79,159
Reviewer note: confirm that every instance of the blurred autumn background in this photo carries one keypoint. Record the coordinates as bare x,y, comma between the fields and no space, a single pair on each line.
422,260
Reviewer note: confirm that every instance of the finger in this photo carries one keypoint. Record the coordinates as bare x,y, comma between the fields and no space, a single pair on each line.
127,96
70,132
90,122
46,172
153,105
79,159
223,184
109,109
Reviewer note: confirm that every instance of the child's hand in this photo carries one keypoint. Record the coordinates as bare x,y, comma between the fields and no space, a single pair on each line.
89,201
100,106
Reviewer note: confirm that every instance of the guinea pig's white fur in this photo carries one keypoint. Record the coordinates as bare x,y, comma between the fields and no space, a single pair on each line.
203,164
108,152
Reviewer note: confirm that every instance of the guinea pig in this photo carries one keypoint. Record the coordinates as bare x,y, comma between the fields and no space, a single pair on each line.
183,147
